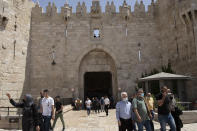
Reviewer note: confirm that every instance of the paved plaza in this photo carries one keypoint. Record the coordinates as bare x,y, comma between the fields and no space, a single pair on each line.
79,121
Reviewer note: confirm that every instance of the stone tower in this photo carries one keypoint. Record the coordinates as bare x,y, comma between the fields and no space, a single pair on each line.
177,22
15,21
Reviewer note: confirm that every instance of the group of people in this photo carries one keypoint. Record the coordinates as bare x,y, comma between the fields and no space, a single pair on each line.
38,116
140,110
97,105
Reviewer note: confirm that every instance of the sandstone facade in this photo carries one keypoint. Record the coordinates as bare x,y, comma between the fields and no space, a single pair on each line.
15,16
178,22
77,51
55,50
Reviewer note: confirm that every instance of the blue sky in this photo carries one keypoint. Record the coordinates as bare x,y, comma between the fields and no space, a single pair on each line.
73,3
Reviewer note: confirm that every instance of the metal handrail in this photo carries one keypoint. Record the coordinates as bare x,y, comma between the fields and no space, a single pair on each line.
8,110
8,113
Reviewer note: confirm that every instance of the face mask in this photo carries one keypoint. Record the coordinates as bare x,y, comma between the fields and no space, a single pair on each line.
125,99
142,95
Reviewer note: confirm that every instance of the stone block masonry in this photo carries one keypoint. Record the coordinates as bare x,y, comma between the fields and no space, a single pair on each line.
15,19
70,36
40,50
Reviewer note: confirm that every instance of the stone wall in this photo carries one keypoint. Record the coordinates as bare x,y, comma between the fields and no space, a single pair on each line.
41,50
70,37
178,38
14,38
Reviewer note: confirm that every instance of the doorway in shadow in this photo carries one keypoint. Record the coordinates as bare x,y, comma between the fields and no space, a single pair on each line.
97,84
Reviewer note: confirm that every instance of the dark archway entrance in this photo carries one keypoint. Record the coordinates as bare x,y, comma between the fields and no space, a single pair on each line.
97,84
97,75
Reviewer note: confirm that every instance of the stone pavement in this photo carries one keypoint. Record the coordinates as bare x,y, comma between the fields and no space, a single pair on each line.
79,121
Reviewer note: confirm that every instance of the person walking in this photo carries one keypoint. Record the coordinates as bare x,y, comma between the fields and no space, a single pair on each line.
41,124
111,102
150,104
107,103
176,115
141,111
124,113
30,119
78,104
164,101
94,104
175,111
134,122
97,105
48,111
102,103
58,112
88,106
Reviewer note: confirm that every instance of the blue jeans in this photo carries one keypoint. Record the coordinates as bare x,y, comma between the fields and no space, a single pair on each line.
145,123
151,121
47,120
88,110
163,119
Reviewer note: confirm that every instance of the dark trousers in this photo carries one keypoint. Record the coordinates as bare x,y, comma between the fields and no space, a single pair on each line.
41,124
151,121
47,123
106,109
88,110
126,125
27,125
97,109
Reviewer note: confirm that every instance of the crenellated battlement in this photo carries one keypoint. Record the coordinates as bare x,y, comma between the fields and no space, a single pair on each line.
95,10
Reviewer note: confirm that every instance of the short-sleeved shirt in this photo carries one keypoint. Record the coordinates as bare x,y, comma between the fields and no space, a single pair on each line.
58,106
106,101
139,104
88,103
165,108
47,104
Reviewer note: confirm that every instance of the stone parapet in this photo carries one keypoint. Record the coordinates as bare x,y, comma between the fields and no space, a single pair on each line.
110,10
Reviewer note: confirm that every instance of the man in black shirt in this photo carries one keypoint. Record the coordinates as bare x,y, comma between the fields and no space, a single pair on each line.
164,110
58,112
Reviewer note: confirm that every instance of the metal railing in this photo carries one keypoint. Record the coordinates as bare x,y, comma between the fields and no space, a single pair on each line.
12,119
8,110
186,105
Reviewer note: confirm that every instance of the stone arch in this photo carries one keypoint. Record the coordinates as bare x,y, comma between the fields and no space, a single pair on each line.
97,47
113,65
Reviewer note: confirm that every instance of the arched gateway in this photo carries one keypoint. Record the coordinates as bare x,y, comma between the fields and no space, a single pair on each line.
97,75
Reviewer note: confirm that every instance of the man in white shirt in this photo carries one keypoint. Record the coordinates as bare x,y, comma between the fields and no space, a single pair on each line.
48,112
107,103
88,105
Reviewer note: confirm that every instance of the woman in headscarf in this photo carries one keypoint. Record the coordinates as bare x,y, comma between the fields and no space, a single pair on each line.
30,120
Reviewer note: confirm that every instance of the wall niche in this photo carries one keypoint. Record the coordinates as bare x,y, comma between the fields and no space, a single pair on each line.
3,22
